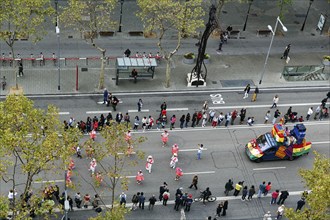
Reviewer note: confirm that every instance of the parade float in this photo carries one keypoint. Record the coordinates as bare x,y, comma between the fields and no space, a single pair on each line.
279,144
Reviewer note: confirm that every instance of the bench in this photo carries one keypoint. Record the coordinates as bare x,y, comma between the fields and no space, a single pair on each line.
128,76
135,33
264,32
234,34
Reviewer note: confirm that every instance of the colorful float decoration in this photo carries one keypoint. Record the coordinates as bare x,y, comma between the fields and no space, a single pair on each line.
279,144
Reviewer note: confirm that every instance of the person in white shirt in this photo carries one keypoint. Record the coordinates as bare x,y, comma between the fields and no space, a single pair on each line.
309,113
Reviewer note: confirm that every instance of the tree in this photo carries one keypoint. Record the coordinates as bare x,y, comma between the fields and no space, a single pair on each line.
113,158
89,17
317,180
32,141
283,4
182,17
23,19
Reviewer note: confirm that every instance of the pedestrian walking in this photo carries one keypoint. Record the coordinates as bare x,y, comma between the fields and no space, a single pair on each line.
187,120
229,187
242,115
267,116
221,117
238,188
211,115
205,107
150,122
274,196
150,162
262,188
214,121
173,120
204,119
166,197
246,91
233,116
177,202
188,203
267,188
178,173
286,52
219,209
105,96
199,117
144,123
152,201
284,195
135,200
127,53
119,117
224,208
139,177
142,199
87,199
194,182
275,101
139,105
251,192
277,114
228,118
199,151
309,113
20,69
267,216
78,200
300,204
114,103
244,193
122,199
163,106
182,120
136,122
162,189
280,212
127,119
255,94
193,120
250,121
109,99
317,111
222,39
164,137
92,166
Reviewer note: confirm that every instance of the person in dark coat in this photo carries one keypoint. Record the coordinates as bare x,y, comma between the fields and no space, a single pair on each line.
229,187
300,204
194,182
284,195
105,95
224,208
219,209
162,189
286,52
177,202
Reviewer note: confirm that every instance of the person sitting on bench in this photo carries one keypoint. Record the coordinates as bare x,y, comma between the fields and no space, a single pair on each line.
134,74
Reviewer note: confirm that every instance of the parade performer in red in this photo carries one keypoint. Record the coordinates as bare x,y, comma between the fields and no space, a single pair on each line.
178,173
98,178
149,163
92,166
139,177
128,137
71,164
164,136
93,134
175,149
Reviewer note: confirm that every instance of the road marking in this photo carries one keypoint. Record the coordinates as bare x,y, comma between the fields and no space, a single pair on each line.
120,153
171,202
203,172
134,110
320,142
188,150
64,113
98,112
217,99
176,109
49,181
264,106
270,168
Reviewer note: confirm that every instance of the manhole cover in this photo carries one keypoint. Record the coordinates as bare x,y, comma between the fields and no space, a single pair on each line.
300,15
225,12
214,82
296,22
236,83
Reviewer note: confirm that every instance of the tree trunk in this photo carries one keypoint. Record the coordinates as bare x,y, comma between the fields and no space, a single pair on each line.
168,73
101,80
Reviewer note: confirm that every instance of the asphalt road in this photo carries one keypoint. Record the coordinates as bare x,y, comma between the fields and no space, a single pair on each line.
223,158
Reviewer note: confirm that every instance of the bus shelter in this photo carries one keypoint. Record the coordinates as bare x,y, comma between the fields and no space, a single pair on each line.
144,66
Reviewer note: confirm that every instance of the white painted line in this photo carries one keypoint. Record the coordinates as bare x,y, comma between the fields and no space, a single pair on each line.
98,112
270,168
176,109
129,177
64,113
203,172
188,150
120,153
49,181
320,142
264,106
134,110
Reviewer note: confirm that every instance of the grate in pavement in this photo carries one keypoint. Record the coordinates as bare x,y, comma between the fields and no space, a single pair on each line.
236,83
214,82
300,15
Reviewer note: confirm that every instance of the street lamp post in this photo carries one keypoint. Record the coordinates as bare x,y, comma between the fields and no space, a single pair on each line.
309,7
57,30
121,14
66,202
247,15
271,42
